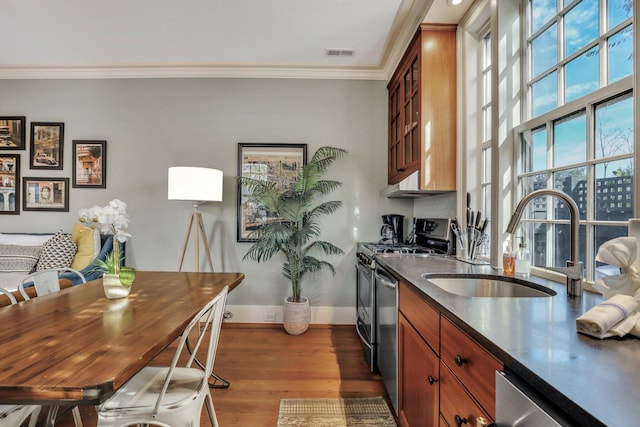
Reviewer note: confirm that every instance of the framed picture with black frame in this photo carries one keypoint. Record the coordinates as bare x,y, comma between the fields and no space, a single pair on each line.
89,164
10,184
279,163
47,143
45,194
12,132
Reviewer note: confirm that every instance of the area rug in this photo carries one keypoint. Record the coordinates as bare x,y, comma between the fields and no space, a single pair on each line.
372,412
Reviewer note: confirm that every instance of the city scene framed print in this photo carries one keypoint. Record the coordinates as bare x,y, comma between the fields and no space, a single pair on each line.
279,163
47,143
10,184
45,194
12,132
89,164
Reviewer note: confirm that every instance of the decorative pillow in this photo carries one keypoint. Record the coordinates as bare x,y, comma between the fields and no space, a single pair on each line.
57,252
18,258
88,242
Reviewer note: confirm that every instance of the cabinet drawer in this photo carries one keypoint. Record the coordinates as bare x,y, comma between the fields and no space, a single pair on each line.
457,408
421,315
472,364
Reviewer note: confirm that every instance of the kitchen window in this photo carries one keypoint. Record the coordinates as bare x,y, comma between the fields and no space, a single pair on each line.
485,145
579,136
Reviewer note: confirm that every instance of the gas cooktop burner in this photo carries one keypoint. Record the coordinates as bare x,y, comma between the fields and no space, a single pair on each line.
404,248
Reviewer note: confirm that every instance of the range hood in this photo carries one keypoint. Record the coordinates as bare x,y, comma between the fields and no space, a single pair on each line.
408,188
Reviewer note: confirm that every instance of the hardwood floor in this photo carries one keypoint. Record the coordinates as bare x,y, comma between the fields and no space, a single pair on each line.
264,364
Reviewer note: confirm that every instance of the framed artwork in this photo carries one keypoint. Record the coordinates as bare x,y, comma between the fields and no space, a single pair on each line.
47,141
89,164
12,132
45,194
10,184
279,163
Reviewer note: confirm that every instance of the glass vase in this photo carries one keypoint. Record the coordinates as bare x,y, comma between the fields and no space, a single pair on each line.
113,288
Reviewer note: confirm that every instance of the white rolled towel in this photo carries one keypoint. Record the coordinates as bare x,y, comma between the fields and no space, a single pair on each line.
614,317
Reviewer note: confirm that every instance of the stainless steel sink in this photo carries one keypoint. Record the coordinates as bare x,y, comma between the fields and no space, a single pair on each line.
488,286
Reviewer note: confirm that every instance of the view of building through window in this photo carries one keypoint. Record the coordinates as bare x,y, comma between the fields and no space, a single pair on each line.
579,136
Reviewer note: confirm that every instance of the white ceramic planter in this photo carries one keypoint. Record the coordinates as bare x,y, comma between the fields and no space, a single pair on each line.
296,316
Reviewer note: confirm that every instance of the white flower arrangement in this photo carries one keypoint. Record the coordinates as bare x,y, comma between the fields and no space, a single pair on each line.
110,219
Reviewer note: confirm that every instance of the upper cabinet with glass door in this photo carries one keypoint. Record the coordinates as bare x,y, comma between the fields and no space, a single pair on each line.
422,106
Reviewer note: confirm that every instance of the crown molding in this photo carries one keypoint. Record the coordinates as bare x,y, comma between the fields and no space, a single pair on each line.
193,71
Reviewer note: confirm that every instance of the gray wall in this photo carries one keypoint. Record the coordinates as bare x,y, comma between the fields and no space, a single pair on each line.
152,124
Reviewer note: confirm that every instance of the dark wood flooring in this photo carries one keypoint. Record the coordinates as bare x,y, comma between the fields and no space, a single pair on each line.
264,364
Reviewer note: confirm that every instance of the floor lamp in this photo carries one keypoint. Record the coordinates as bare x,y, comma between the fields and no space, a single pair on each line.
198,185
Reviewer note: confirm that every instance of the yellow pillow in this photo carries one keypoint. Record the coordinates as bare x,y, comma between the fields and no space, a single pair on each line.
88,242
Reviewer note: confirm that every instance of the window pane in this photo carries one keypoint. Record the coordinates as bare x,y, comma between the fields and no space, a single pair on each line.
539,246
614,190
486,135
621,54
544,50
486,165
562,244
570,140
582,74
545,94
486,80
539,154
580,26
541,11
619,11
574,183
537,208
614,127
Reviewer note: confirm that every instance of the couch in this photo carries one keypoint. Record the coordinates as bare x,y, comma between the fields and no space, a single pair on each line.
89,249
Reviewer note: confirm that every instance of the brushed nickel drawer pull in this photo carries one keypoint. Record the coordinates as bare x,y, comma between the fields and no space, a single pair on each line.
460,360
432,380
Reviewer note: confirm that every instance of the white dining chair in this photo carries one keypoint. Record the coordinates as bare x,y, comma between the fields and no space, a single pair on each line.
46,281
171,396
15,415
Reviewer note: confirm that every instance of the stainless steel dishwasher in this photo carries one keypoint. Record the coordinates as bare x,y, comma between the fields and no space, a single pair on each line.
517,405
387,331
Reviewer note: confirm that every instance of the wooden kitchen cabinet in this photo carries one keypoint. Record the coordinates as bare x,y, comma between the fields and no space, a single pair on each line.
445,377
422,110
419,373
471,363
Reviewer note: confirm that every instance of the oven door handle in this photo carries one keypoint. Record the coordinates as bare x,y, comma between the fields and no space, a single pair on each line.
387,281
364,340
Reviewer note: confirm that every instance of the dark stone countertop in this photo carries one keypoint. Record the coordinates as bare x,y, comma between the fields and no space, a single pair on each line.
596,382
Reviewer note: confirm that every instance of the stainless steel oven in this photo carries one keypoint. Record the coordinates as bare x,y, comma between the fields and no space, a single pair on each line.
366,306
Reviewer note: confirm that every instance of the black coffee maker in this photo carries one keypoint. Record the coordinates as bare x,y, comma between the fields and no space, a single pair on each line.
396,224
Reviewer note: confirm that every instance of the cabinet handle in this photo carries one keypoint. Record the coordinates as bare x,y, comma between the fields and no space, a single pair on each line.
460,360
432,380
460,420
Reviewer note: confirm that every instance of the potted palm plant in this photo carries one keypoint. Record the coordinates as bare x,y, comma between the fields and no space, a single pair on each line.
295,233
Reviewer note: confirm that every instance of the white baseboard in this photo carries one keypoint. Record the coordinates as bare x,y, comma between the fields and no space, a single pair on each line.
273,314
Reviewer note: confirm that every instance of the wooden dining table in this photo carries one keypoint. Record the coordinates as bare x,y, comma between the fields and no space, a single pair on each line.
76,347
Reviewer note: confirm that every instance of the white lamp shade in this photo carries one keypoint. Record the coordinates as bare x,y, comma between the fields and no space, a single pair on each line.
195,184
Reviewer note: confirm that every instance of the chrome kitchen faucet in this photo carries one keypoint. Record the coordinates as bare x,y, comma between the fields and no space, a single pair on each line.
573,270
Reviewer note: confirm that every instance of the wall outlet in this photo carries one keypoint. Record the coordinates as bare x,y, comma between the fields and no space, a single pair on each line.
269,316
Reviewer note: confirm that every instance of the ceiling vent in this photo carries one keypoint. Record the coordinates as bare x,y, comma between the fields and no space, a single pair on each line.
340,52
